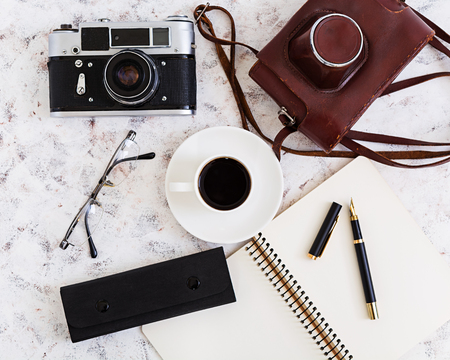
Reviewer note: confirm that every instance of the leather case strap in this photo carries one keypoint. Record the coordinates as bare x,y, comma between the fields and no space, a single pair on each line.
439,33
385,157
230,71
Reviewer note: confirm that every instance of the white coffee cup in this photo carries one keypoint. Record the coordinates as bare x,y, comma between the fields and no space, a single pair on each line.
221,183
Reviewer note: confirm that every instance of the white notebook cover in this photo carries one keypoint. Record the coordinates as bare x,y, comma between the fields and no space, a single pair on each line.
411,281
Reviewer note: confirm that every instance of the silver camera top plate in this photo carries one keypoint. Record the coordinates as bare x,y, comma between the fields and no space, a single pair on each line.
173,36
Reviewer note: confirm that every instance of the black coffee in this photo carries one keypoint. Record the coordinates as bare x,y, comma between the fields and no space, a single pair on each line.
224,183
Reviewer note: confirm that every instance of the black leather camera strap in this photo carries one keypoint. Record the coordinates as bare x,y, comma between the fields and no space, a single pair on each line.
356,149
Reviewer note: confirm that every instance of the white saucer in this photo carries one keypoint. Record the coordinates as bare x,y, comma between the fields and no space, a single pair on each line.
251,217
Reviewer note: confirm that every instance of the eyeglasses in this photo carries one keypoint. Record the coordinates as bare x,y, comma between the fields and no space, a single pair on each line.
122,163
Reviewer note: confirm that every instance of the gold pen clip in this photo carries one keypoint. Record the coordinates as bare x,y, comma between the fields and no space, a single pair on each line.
325,232
329,235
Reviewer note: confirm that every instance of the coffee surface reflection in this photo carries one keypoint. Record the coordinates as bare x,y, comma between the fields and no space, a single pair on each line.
224,183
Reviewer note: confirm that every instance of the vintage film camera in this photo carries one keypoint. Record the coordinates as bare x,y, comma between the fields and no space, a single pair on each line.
129,69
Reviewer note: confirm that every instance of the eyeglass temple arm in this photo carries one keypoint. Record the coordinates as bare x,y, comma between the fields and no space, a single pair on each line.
92,247
147,156
102,181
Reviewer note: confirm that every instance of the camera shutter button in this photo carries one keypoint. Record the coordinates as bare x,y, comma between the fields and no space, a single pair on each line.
177,18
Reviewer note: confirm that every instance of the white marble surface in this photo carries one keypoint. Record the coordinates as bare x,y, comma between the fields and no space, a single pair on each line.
49,166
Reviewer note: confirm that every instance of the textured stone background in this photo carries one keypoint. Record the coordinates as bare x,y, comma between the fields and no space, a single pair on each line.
49,166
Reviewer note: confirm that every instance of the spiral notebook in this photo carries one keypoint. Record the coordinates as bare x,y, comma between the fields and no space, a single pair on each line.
411,281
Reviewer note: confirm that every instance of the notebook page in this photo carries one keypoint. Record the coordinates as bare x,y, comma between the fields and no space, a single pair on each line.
411,280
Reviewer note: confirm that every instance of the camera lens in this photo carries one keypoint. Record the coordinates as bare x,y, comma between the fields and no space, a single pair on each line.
128,75
131,77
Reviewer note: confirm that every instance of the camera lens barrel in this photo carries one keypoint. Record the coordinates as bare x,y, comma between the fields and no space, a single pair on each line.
131,77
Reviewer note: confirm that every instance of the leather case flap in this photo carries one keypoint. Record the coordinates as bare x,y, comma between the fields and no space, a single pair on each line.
394,37
147,289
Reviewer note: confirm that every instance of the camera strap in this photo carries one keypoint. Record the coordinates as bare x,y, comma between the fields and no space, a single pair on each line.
349,141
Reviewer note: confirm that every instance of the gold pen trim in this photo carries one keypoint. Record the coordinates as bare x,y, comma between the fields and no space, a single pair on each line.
314,257
353,216
373,310
329,235
359,241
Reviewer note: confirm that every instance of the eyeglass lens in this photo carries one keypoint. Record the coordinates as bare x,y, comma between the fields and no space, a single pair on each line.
87,222
124,162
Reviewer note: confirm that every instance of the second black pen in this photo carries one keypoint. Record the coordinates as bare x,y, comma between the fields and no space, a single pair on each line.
363,264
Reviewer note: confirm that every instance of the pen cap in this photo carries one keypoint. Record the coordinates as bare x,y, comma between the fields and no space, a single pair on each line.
324,234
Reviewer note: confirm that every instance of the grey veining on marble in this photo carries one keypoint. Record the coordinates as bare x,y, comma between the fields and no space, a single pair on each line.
49,166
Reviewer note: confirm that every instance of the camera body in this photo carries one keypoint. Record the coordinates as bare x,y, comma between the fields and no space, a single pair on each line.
108,68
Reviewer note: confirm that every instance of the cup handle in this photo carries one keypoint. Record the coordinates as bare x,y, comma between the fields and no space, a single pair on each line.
181,186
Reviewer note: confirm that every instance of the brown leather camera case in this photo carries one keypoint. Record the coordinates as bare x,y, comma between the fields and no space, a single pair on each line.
393,36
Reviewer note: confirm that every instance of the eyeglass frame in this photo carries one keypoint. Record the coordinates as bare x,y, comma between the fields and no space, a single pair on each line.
93,197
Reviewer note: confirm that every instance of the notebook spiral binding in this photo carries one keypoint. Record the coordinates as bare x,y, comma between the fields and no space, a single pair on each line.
286,285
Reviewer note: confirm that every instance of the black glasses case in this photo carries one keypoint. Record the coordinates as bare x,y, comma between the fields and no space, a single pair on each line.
144,295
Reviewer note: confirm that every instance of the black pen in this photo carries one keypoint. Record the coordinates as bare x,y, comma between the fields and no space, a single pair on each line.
363,264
